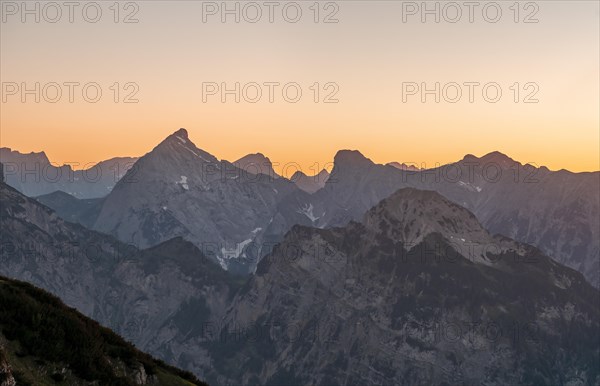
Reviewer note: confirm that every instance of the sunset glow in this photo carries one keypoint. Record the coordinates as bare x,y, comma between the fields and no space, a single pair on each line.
368,54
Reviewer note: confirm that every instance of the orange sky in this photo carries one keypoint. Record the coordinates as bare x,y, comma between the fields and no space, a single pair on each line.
369,53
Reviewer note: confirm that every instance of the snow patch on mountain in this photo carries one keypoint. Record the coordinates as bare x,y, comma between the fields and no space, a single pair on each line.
307,210
469,186
233,253
183,183
196,154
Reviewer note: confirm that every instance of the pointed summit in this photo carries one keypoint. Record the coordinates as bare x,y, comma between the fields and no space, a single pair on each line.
179,146
181,133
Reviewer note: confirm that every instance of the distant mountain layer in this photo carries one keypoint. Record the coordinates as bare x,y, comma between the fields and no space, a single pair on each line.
42,341
70,208
310,184
260,164
403,166
257,163
34,175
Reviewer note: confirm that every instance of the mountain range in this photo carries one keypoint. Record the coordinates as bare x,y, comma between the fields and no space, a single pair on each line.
415,292
557,211
235,215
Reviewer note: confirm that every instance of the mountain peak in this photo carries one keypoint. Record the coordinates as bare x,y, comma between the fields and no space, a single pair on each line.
178,137
409,214
255,157
256,163
413,195
351,158
298,174
181,133
178,150
496,156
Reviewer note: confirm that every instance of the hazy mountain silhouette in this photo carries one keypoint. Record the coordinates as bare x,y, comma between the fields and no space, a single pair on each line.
34,175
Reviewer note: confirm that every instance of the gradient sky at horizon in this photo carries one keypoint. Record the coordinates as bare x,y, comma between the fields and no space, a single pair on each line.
369,53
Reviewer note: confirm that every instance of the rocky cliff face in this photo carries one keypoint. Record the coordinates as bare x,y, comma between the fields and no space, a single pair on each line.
395,300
